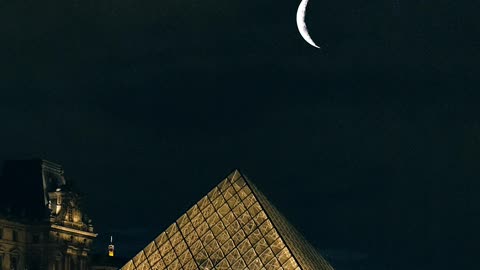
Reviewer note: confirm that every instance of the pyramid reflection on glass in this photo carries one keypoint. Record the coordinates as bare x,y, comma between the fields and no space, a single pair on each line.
232,227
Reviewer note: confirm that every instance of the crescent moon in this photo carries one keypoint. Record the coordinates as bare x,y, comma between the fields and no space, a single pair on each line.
302,26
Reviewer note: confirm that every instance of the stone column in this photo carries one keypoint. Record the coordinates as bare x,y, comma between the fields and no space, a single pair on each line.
6,263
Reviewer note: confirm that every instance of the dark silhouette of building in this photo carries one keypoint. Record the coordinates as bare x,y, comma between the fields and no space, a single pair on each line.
105,262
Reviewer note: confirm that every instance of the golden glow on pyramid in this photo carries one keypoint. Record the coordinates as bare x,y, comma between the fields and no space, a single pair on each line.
232,227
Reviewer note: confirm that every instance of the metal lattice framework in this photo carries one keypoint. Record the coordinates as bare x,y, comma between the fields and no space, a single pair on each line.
232,227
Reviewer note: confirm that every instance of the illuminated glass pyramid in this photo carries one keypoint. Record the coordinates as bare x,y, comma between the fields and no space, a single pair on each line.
233,227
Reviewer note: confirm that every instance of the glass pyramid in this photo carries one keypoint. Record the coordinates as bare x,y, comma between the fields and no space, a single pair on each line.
232,227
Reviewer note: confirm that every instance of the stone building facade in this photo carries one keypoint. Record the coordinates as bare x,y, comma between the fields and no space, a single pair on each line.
42,225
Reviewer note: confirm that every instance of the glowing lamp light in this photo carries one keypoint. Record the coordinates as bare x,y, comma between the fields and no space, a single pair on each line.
111,248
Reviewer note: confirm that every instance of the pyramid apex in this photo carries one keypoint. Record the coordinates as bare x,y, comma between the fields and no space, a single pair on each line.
234,175
236,171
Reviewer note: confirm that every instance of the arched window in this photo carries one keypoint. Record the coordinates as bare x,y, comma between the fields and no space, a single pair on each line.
14,262
14,259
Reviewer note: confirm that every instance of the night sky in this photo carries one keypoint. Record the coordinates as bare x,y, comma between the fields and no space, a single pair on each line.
370,146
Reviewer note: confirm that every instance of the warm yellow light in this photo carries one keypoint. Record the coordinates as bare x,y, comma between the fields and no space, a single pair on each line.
111,249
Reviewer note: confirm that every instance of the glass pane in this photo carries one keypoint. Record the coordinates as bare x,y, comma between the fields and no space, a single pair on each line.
229,229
